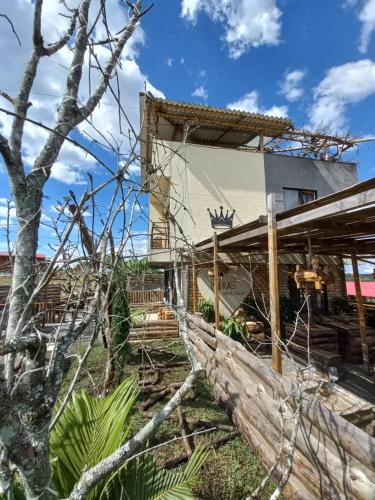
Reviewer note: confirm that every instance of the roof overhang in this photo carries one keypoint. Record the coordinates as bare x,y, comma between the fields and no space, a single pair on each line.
176,121
337,224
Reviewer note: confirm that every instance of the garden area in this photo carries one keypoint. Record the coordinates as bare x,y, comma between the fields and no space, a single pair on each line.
228,471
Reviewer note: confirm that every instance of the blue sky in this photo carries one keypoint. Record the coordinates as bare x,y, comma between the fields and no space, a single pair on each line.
310,60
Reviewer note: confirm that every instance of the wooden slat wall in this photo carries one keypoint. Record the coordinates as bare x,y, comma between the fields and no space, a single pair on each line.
332,458
145,296
51,293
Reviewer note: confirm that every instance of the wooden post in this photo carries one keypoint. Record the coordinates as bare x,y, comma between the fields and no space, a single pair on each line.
274,283
361,313
216,283
341,270
194,277
261,143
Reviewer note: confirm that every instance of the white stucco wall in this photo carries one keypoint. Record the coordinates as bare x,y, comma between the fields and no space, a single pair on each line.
211,177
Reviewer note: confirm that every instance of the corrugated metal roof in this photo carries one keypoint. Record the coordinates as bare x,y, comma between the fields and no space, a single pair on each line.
210,125
180,107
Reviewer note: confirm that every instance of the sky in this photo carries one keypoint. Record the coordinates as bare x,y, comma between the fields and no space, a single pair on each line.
310,60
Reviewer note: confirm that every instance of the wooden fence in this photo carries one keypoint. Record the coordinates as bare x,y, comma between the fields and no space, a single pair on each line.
332,459
145,296
48,307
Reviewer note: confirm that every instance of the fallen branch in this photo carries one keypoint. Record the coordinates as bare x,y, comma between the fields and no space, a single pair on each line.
163,366
188,442
155,398
193,422
151,381
173,462
156,351
157,388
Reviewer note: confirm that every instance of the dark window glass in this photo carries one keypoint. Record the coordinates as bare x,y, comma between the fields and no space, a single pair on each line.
295,197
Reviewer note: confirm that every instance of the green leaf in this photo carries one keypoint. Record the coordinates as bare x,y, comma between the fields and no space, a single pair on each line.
89,430
141,479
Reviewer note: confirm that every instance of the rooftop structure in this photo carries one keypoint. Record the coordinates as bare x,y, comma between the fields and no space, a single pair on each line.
211,169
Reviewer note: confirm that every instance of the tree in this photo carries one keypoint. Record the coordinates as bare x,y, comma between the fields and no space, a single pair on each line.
30,384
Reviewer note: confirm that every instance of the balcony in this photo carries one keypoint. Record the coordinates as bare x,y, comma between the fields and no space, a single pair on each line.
159,235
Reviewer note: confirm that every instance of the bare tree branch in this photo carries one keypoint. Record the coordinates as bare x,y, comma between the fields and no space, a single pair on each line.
12,26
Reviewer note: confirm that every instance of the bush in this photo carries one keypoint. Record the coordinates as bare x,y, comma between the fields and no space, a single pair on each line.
206,307
340,305
121,323
251,308
287,310
233,329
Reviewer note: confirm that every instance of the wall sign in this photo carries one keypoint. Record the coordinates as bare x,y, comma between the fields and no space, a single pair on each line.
221,220
235,286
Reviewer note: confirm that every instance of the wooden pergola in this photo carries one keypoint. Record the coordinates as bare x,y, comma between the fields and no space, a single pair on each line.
341,224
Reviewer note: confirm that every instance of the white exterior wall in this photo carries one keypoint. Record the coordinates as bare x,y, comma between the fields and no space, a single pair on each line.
201,177
211,177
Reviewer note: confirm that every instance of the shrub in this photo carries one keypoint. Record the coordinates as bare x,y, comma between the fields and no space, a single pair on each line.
233,329
206,307
340,305
287,310
121,323
90,429
251,308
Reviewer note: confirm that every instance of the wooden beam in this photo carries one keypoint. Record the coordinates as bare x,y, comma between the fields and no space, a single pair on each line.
355,201
216,283
261,143
258,126
361,313
194,269
274,283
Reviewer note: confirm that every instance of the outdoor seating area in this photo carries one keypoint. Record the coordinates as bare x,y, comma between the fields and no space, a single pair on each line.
339,225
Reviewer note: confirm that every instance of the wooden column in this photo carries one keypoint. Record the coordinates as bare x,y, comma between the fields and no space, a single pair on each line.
216,283
274,283
361,312
194,277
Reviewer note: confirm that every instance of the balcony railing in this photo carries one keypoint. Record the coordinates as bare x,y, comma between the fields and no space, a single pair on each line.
159,235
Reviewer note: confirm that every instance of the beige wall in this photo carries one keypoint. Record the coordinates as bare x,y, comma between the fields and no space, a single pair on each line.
207,177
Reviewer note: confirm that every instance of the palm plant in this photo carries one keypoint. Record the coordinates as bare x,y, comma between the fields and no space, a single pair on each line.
206,307
141,479
90,429
233,329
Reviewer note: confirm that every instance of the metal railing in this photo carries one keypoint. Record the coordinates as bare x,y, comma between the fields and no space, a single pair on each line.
160,235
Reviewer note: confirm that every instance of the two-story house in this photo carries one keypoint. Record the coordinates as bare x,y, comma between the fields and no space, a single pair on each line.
201,163
197,159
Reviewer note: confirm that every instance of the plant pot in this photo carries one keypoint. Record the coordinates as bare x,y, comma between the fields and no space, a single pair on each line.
254,327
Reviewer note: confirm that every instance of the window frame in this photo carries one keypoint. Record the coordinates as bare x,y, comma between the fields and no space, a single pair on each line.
300,191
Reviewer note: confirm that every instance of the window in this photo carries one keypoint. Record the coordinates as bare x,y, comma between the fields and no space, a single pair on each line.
295,197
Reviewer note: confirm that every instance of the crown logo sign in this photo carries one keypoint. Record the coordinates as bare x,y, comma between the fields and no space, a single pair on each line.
221,221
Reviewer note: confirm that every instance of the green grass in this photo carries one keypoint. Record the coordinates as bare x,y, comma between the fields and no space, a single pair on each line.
231,472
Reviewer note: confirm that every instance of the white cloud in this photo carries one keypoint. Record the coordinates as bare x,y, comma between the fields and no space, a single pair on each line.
65,173
137,246
290,86
134,169
248,23
342,86
7,213
169,62
200,92
250,103
367,17
365,11
72,163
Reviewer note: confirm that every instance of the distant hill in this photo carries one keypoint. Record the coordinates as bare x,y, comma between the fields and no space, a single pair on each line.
364,277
